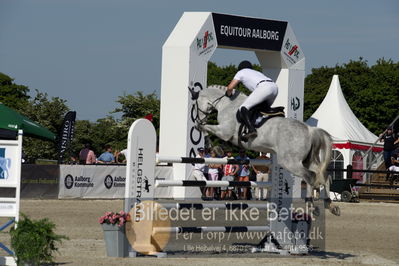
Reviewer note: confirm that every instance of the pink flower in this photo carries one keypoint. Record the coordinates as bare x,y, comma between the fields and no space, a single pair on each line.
118,218
121,221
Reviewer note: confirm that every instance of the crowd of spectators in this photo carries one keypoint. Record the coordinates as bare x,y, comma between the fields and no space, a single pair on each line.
202,172
87,156
231,172
391,150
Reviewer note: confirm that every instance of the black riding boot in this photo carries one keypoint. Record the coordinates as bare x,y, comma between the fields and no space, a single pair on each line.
247,121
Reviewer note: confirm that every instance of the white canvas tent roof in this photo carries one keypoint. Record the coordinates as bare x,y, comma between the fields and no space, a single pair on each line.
336,117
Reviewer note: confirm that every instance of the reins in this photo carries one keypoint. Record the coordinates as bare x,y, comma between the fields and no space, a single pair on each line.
206,114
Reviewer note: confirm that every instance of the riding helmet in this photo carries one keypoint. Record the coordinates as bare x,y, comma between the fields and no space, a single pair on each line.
244,64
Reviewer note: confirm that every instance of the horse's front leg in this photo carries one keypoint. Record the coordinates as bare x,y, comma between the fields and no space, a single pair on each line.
221,131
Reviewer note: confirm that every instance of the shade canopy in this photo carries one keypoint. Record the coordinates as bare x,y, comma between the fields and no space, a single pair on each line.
12,121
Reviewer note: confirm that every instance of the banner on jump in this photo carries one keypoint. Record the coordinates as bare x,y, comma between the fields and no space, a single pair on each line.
251,33
101,181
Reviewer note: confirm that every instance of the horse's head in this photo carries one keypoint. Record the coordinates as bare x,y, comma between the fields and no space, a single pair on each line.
206,101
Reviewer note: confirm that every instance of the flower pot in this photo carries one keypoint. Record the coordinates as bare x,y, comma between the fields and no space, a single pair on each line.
115,240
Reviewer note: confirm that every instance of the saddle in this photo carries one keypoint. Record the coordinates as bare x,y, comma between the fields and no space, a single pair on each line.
259,114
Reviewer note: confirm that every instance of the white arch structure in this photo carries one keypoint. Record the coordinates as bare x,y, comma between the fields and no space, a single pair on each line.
185,55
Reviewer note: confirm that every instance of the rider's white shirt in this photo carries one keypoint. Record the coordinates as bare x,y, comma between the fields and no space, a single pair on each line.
250,78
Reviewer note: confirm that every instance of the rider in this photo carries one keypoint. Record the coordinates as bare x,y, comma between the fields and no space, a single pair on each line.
263,90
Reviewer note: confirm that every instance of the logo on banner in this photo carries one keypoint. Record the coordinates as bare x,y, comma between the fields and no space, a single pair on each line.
286,187
68,181
78,181
195,134
205,43
5,164
146,184
108,181
291,50
295,103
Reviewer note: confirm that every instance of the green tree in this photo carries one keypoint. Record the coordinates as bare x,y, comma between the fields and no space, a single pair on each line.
108,131
13,95
82,135
138,106
50,114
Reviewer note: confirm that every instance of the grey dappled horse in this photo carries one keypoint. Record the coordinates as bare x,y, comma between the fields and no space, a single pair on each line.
302,150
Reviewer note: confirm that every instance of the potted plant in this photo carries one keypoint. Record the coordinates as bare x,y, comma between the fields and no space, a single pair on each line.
113,224
34,241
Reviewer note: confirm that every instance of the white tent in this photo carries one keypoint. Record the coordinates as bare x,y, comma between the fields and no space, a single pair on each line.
351,138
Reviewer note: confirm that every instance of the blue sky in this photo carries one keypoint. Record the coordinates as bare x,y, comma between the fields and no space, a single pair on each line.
90,52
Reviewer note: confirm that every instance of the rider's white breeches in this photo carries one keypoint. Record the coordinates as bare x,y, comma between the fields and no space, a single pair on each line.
265,91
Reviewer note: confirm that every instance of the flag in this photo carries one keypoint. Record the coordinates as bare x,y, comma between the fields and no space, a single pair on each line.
66,135
149,117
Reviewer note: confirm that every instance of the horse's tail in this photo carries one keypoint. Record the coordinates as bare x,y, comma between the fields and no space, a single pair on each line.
320,152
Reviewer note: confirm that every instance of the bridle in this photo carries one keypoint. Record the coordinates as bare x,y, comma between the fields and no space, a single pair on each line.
206,114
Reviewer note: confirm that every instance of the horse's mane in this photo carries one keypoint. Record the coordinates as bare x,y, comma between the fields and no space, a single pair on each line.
215,91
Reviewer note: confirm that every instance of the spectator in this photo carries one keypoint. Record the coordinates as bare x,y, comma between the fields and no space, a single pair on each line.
118,156
213,175
107,156
389,139
229,172
73,160
200,170
395,164
86,155
262,175
243,174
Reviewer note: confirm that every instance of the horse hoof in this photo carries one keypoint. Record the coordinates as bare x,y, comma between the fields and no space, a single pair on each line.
335,210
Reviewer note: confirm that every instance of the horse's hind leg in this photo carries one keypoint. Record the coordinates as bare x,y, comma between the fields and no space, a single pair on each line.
325,195
297,168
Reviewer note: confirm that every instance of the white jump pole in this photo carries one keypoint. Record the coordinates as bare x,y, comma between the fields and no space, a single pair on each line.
175,159
206,229
220,206
190,183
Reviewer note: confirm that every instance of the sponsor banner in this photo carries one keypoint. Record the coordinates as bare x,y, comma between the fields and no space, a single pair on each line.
140,168
91,181
250,33
8,168
295,92
101,181
10,176
290,51
66,134
201,51
205,43
39,181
